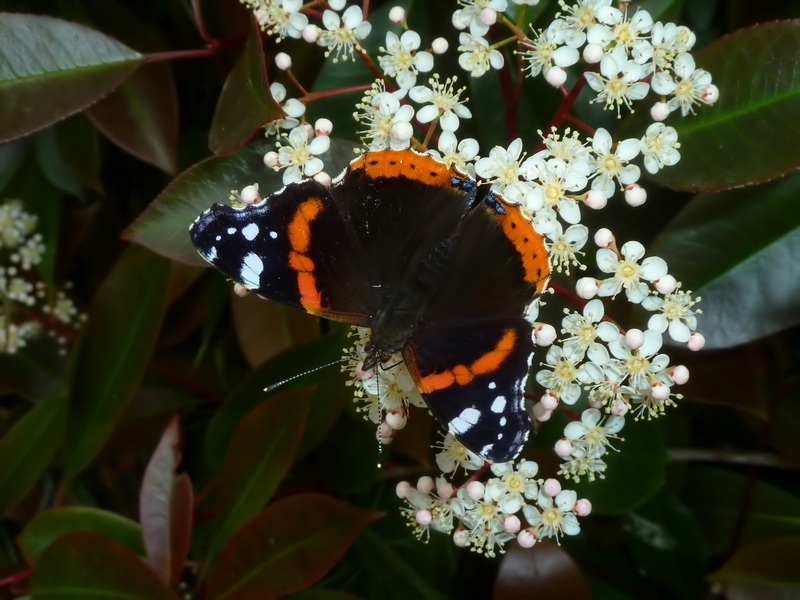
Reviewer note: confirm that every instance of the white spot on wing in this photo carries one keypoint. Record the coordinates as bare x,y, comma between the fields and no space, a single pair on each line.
464,422
273,235
499,404
231,230
250,273
250,231
218,238
211,255
492,385
503,421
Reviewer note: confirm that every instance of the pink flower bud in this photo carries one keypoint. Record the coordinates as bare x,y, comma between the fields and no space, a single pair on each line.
555,76
635,195
679,374
659,111
397,14
586,287
604,238
283,61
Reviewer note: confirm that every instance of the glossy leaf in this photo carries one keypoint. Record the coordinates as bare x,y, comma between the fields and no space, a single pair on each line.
85,564
141,117
124,321
756,121
287,548
165,530
50,69
245,104
634,474
738,251
260,454
28,447
49,525
546,571
665,538
250,391
769,566
718,497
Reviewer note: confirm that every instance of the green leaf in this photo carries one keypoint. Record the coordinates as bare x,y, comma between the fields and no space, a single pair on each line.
50,69
379,558
261,452
166,531
79,146
85,564
718,497
634,474
769,567
665,539
750,135
286,548
738,251
124,321
141,117
164,225
250,392
28,447
245,103
40,532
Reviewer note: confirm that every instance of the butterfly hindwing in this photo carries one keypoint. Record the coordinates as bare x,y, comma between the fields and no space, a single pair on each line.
473,381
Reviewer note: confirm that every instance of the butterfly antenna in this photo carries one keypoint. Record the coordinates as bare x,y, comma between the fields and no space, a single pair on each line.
274,386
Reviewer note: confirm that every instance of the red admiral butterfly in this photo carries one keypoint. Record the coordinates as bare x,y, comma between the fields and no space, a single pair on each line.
436,266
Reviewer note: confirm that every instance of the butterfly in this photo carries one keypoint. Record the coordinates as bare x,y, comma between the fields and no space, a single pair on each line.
439,268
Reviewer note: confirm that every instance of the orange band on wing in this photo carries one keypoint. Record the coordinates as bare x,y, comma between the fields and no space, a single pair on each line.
528,243
463,374
299,238
406,163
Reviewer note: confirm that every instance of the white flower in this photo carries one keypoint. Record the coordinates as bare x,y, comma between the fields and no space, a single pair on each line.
612,165
454,455
591,435
640,365
469,15
513,485
280,18
477,57
557,182
688,86
553,519
503,168
619,82
543,52
452,152
445,103
674,313
403,60
561,379
343,36
299,158
660,147
293,108
628,272
581,15
381,112
565,246
583,330
621,30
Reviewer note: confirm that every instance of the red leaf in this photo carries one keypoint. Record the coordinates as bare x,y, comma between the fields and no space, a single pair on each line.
259,456
141,117
245,103
159,507
542,572
287,548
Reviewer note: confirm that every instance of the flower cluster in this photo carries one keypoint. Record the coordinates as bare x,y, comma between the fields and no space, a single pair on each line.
27,306
596,371
486,516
